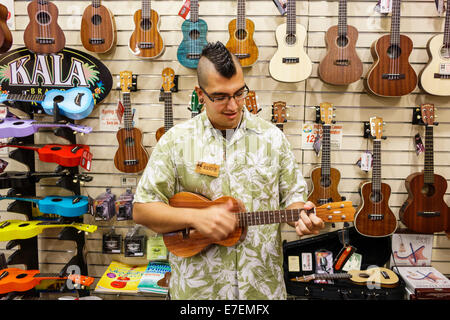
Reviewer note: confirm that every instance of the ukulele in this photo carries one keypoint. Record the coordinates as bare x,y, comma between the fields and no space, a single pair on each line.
64,206
18,180
381,276
98,28
146,41
374,218
250,102
131,156
6,38
194,38
425,210
391,75
43,35
194,105
279,114
168,76
435,77
76,103
325,179
186,243
241,42
14,127
290,62
19,229
70,155
341,65
18,280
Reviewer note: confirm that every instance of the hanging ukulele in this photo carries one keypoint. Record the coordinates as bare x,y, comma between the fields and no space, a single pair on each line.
425,210
241,42
17,180
131,156
98,28
194,105
279,114
43,35
6,38
374,218
251,104
168,85
146,41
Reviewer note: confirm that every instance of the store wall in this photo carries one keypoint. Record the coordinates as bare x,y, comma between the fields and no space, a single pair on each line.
419,21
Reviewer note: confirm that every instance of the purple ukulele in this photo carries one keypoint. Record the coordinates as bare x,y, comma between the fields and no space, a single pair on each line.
13,127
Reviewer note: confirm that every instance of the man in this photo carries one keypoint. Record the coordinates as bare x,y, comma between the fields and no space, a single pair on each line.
256,165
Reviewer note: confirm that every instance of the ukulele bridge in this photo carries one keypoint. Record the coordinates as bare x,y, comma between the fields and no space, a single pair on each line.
96,40
393,76
42,40
342,62
146,45
242,55
291,60
376,216
429,213
193,56
131,162
441,76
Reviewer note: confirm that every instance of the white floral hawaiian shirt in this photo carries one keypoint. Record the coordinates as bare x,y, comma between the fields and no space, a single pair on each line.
258,167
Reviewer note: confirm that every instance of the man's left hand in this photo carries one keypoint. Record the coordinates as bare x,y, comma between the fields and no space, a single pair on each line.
308,224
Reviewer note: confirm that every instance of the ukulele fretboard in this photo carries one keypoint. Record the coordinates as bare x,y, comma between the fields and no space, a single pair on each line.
342,20
395,23
429,156
291,17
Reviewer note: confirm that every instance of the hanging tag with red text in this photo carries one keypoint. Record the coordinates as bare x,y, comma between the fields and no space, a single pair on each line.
185,11
85,161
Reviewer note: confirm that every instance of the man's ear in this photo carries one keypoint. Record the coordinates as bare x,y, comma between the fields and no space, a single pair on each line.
200,94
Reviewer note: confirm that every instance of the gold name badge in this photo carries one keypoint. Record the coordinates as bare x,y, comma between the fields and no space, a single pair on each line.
207,169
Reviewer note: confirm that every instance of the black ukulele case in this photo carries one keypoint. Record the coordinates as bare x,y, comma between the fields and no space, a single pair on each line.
374,251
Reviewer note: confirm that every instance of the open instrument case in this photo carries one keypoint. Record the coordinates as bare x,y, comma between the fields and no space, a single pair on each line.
374,251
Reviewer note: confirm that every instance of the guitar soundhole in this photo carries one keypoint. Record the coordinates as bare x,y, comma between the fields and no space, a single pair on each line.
21,276
342,41
394,51
57,200
146,24
43,17
364,275
291,39
58,99
376,197
445,51
96,19
55,148
194,34
18,123
129,142
23,225
325,182
241,34
428,190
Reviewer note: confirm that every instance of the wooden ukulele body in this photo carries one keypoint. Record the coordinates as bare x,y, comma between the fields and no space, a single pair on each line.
98,23
48,25
319,189
376,81
146,31
159,133
241,42
6,38
375,227
338,48
130,145
425,198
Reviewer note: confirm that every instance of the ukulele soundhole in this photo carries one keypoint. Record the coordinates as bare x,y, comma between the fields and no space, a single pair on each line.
445,51
427,190
342,41
394,51
146,24
194,34
291,39
43,18
325,182
129,142
241,34
21,276
376,197
96,19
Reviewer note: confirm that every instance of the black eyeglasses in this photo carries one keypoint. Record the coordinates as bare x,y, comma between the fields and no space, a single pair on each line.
223,100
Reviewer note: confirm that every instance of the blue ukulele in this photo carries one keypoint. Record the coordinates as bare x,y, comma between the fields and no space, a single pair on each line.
194,38
76,103
65,206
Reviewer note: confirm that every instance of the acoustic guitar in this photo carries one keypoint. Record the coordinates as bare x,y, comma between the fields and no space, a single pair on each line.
425,210
146,41
98,28
20,229
290,62
373,276
341,65
391,75
325,179
186,243
374,218
279,115
194,38
241,42
43,35
131,156
6,38
168,76
435,77
19,280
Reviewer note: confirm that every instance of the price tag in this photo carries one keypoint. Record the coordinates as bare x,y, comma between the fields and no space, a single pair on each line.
85,161
185,11
310,132
366,161
385,6
120,110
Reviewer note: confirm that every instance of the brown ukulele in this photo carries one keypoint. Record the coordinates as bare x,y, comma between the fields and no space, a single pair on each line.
168,76
279,114
391,75
43,34
131,156
241,42
425,210
98,28
250,102
6,38
146,41
341,65
189,242
374,218
325,179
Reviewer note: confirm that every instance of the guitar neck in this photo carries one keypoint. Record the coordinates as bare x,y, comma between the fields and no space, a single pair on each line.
326,161
376,170
395,23
342,19
241,15
447,25
291,17
26,97
49,276
429,156
168,111
21,199
146,9
128,113
96,3
194,11
326,276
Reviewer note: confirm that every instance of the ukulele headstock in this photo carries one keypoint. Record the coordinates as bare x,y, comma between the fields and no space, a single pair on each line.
326,113
126,81
250,102
427,114
279,114
376,127
168,78
81,280
341,211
